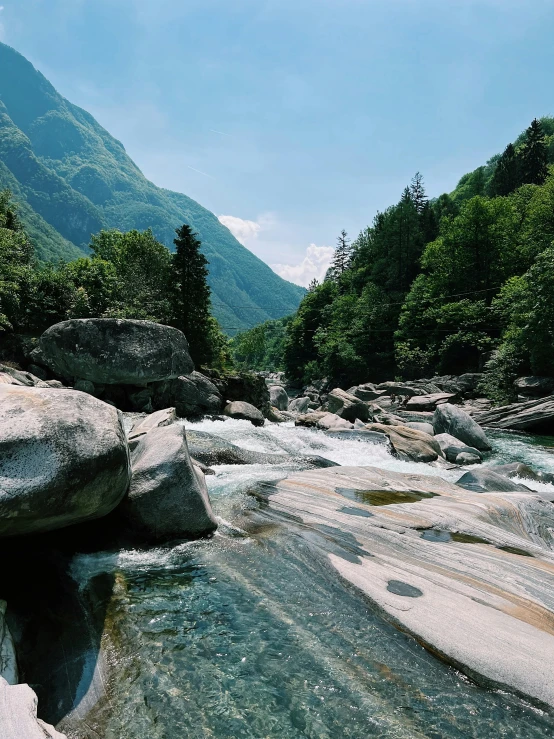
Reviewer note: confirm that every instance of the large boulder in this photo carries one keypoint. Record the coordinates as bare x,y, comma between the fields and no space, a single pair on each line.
299,405
347,406
409,444
191,395
533,415
244,412
18,714
168,497
278,397
114,351
366,392
19,377
332,422
63,459
534,387
453,420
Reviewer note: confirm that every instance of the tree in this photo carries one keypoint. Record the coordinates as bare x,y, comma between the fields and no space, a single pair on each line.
191,294
534,162
143,274
343,255
507,174
417,193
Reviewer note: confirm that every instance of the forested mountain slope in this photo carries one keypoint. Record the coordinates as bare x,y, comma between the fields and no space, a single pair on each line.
446,286
72,179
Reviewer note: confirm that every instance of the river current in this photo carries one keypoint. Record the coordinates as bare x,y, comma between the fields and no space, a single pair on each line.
252,634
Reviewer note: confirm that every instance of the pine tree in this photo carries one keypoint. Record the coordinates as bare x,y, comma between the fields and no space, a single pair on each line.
534,163
313,285
507,175
343,255
417,192
191,294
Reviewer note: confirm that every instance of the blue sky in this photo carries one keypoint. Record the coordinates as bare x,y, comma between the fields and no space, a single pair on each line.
294,119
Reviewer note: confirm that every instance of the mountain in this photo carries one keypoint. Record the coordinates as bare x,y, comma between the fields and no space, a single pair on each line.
72,178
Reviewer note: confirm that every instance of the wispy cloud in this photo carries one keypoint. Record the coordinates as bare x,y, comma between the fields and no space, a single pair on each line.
200,172
314,265
221,133
2,27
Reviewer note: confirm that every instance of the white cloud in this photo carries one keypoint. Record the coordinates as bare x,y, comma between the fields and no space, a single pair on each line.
2,28
315,264
241,229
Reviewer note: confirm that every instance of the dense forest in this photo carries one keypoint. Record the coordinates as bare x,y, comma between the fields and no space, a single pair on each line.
449,285
128,275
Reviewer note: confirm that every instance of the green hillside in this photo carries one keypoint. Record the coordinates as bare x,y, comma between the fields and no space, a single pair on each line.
73,179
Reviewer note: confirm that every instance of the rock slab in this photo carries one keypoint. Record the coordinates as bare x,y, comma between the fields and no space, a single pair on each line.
168,498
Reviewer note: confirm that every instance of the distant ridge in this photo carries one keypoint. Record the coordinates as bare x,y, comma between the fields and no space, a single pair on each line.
72,178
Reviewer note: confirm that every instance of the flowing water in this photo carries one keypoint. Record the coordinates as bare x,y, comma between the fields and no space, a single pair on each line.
252,634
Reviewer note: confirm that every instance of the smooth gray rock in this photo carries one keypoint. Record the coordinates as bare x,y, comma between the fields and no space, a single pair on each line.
114,351
212,450
366,392
518,469
63,459
484,607
425,428
332,422
278,397
452,453
18,714
347,406
299,405
168,497
8,659
485,480
534,387
191,395
428,402
245,412
21,377
310,420
409,444
453,420
465,458
39,372
533,415
159,419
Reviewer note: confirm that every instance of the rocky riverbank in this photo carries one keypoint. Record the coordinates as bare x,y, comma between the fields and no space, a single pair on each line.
461,559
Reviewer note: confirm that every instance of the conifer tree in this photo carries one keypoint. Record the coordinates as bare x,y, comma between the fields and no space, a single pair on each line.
507,175
534,155
417,193
313,285
191,294
343,255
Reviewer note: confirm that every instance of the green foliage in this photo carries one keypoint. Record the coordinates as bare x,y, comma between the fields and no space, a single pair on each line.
262,347
72,179
435,286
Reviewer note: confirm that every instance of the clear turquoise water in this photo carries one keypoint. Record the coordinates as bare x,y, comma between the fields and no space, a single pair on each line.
252,635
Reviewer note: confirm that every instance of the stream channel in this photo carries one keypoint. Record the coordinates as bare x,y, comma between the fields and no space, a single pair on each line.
253,634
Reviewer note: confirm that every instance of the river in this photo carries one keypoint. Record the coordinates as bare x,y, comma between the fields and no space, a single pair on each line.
253,634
